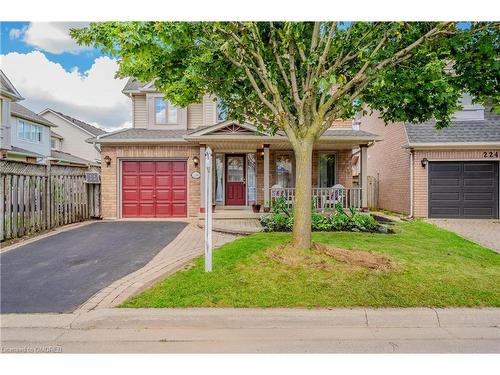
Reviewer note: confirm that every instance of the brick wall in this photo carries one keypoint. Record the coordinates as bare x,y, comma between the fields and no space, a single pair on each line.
420,173
109,175
389,163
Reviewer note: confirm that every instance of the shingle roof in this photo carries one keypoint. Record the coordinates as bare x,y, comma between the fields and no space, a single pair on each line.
19,150
90,128
142,134
477,131
17,110
348,133
67,157
133,85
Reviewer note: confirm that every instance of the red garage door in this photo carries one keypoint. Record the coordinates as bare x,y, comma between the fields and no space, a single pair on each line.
154,189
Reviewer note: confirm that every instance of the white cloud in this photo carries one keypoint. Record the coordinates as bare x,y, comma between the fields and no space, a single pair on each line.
53,36
15,33
94,97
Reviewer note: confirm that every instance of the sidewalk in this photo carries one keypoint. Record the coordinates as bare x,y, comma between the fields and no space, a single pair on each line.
421,330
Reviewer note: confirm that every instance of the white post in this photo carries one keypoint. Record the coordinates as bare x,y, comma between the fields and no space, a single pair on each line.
266,175
208,209
364,177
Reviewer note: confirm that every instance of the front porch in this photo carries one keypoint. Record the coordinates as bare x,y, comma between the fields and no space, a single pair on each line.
250,168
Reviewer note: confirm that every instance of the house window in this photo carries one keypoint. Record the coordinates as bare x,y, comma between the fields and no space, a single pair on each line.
326,170
219,178
284,170
29,132
251,179
221,110
165,113
53,143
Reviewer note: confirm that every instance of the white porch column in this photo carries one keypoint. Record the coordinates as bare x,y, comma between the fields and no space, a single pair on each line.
364,176
202,178
266,174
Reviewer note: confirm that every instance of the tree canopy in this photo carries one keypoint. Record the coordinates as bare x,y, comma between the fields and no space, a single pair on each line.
300,76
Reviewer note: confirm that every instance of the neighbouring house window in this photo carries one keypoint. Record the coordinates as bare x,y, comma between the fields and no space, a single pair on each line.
53,143
326,170
251,179
219,178
284,170
165,113
221,110
29,132
466,100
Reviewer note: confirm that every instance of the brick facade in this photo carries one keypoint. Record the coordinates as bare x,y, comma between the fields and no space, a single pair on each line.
111,179
389,163
110,175
420,173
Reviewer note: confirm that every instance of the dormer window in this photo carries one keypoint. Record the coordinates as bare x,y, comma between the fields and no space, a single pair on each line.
165,113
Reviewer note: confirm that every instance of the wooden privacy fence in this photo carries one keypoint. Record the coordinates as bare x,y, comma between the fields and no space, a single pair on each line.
34,197
372,193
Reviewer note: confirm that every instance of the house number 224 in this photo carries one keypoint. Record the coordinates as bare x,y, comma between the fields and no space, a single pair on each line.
490,154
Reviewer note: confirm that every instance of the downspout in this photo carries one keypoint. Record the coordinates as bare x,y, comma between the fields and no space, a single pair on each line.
411,182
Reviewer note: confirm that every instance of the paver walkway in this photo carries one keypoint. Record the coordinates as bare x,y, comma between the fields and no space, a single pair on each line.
483,232
234,226
186,246
419,330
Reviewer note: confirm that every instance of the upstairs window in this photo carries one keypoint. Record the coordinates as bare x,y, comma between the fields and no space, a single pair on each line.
221,110
29,132
165,113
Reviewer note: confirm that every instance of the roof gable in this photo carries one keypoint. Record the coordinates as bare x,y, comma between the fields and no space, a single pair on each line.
227,128
90,129
19,111
7,88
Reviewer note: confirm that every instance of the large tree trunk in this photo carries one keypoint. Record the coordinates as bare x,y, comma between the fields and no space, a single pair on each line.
303,195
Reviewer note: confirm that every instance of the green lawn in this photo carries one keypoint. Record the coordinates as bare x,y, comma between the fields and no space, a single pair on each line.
433,267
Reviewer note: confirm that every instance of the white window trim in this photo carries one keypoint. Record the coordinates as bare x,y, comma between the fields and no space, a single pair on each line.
151,109
292,158
168,105
22,138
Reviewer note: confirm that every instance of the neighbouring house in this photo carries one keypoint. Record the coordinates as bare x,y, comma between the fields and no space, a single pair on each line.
156,168
73,134
449,173
25,136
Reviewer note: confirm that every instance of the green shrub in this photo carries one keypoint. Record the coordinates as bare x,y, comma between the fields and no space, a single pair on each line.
281,219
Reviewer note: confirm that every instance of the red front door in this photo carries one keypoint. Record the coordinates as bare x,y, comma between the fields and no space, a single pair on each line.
235,180
154,188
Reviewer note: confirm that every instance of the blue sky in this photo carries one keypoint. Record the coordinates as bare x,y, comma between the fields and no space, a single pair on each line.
83,61
51,71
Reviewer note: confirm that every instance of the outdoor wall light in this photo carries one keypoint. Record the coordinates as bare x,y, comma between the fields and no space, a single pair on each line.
107,160
424,162
196,161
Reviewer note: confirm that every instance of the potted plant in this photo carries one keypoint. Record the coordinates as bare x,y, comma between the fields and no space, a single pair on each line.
256,207
267,206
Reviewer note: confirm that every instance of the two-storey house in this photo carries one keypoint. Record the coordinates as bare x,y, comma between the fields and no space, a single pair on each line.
156,168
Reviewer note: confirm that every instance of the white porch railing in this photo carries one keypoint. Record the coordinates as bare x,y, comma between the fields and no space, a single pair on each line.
323,198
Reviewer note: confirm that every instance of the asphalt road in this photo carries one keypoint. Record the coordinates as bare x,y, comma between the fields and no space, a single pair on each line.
60,272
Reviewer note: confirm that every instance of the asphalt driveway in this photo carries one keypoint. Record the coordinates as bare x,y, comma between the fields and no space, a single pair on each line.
60,272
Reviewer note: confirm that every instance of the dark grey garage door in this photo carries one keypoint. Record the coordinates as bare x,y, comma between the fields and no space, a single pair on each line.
463,189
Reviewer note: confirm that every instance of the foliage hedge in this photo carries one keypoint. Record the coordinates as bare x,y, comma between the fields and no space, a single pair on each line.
281,220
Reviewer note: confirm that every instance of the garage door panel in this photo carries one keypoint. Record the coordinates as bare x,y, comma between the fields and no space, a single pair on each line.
130,167
154,188
179,167
179,181
163,195
164,167
472,194
163,181
445,181
179,209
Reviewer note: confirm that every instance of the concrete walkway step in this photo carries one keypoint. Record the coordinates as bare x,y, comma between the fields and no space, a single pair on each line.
234,226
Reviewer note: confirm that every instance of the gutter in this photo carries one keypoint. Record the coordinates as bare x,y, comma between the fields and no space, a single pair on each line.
412,157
